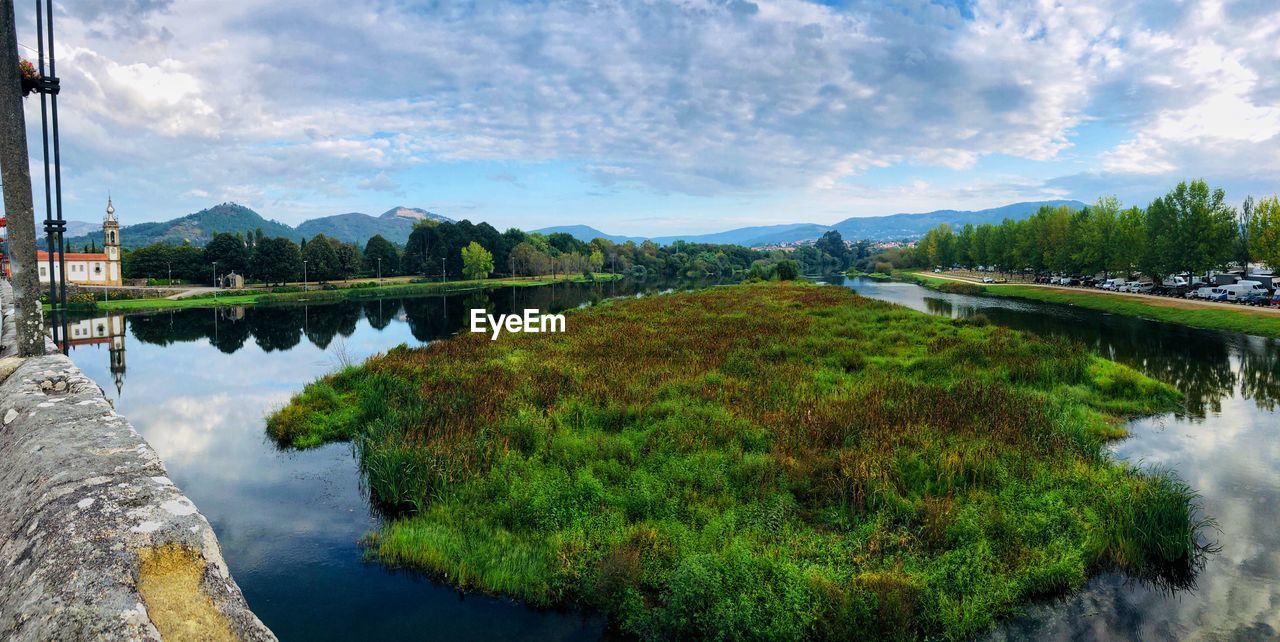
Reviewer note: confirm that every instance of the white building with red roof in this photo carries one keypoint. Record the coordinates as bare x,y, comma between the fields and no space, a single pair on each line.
90,268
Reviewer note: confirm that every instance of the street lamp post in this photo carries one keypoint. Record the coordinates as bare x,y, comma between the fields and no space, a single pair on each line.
379,271
215,280
170,266
443,275
304,277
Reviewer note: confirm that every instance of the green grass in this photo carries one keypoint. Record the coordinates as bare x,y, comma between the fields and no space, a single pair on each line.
340,294
768,461
1245,320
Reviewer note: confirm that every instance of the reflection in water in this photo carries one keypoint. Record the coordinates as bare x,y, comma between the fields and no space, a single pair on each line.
97,332
1224,444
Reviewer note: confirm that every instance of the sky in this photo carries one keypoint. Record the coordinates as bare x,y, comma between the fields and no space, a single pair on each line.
653,118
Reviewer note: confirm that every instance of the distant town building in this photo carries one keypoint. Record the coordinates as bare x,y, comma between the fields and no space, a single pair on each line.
91,268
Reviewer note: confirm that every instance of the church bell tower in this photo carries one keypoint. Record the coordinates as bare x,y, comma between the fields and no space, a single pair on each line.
111,244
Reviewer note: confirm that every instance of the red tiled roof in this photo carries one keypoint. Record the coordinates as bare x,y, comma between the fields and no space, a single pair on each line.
73,256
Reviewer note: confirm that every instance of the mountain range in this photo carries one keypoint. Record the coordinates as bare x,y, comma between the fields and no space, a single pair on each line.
396,223
872,228
199,228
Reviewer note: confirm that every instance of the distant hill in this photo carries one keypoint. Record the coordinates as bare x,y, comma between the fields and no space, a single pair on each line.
199,228
586,233
394,225
753,236
872,228
900,226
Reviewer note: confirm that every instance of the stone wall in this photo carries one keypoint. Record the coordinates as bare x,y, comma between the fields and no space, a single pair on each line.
95,541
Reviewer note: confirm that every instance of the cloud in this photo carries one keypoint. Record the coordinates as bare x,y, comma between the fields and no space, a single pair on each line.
305,99
379,183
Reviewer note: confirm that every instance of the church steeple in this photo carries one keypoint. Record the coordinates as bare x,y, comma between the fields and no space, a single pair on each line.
111,244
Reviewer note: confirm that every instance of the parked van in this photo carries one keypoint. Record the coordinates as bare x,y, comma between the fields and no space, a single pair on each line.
1253,285
1112,284
1239,291
1217,294
1201,293
1174,282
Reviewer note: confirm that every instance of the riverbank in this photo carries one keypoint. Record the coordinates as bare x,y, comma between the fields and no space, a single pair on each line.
1209,315
846,467
364,290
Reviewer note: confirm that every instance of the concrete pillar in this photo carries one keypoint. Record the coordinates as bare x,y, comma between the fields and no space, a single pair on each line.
16,174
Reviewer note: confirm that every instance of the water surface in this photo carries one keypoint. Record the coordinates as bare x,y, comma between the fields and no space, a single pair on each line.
1225,444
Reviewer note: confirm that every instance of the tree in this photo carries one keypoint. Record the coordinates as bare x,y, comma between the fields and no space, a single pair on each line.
833,245
787,270
322,261
477,262
349,260
380,248
276,260
1264,232
1190,229
1244,225
229,251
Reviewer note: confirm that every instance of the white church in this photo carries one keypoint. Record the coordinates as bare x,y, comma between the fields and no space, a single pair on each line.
85,268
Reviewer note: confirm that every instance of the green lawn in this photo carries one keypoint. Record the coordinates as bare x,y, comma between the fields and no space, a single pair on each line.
767,461
1243,319
345,293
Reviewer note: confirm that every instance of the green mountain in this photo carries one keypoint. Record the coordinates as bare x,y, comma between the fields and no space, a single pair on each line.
199,228
394,225
196,229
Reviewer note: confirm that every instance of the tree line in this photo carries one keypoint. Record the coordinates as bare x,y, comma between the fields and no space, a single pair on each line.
463,249
1191,229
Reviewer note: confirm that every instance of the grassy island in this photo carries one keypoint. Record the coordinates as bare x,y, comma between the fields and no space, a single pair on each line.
768,461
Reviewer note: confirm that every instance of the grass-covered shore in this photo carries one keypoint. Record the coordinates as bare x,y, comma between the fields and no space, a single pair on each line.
1243,319
767,461
366,291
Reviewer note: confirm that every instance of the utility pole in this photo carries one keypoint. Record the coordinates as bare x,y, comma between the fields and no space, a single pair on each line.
16,174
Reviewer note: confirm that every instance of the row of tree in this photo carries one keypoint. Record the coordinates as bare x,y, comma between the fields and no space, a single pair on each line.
463,249
260,258
1189,230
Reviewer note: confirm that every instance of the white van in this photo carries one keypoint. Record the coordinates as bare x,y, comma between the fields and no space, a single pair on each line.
1174,282
1112,284
1237,291
1252,285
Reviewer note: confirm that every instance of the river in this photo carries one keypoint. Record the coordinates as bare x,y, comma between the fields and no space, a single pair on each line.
199,383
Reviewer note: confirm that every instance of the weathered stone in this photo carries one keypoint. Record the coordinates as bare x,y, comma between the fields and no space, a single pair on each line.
95,541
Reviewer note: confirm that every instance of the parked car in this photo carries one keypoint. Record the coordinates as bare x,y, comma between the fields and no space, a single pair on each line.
1174,281
1217,294
1275,299
1141,288
1255,297
1201,293
1112,284
987,279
